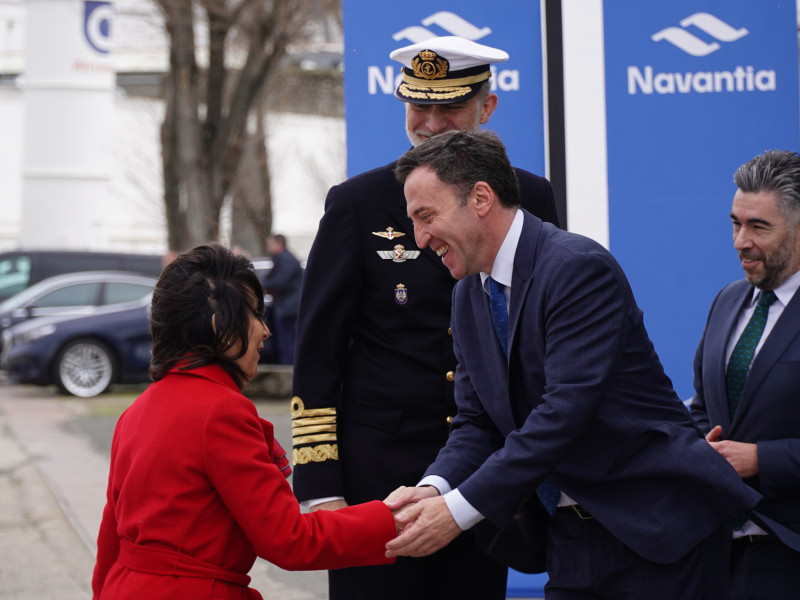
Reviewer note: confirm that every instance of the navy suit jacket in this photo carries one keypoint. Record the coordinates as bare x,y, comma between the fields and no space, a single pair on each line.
769,410
582,400
382,367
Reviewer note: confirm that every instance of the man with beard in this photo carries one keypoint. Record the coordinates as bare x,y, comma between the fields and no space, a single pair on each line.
747,375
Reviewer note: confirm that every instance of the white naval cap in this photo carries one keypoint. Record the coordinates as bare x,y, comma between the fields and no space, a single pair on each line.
444,70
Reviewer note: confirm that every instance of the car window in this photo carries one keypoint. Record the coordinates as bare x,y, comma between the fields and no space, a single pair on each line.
15,272
80,294
118,292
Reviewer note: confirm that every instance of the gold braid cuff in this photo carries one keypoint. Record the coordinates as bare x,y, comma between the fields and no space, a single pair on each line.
321,453
310,426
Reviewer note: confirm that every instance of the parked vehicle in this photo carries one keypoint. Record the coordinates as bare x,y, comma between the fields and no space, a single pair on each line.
83,356
20,269
75,294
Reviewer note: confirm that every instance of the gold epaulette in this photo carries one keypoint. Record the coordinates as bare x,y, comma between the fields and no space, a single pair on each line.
313,434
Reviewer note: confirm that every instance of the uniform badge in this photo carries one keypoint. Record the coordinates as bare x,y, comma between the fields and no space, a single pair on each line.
429,65
400,294
389,234
399,254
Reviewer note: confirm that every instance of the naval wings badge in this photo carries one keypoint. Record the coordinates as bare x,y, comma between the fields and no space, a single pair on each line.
399,254
389,234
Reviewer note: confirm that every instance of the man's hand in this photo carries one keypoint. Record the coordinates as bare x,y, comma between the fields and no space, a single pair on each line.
427,527
409,495
743,457
715,434
331,505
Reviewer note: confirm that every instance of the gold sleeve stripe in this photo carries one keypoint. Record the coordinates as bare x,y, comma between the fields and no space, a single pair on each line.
313,421
299,410
321,453
313,429
309,439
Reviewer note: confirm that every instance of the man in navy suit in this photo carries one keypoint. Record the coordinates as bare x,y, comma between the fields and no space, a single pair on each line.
753,418
574,400
374,365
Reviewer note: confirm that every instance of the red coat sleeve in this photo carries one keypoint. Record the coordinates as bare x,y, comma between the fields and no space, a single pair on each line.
239,464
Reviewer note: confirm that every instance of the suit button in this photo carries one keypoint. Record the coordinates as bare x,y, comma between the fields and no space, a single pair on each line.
449,420
450,375
449,331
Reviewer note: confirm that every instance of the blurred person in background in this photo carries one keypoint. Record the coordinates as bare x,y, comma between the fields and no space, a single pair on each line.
283,281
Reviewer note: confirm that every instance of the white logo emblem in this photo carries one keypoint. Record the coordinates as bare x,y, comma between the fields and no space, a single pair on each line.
693,45
450,22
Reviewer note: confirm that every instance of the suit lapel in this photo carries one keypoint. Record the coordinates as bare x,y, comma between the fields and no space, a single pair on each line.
730,309
495,391
522,277
774,346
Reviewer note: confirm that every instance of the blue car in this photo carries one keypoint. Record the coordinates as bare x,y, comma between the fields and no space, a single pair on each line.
83,356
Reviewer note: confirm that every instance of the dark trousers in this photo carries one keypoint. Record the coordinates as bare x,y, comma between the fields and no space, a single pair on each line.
586,562
764,571
459,571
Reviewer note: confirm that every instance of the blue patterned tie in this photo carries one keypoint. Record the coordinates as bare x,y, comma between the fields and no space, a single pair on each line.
742,354
499,310
547,492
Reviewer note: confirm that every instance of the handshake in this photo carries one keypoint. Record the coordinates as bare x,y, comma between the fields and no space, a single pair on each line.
423,521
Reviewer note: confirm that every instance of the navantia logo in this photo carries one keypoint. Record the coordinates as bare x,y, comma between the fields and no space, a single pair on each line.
386,79
737,79
705,22
452,23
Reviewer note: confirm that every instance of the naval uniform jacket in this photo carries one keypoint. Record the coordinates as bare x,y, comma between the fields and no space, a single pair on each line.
769,411
581,400
374,364
194,496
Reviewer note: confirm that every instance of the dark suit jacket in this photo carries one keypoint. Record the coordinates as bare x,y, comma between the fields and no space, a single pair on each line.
380,364
582,400
769,410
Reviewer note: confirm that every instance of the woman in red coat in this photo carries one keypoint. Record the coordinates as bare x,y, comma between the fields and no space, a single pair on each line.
196,489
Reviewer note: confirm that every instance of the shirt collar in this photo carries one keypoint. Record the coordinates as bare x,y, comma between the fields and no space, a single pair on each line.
784,291
503,266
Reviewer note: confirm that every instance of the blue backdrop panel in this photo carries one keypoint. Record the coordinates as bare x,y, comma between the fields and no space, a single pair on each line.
693,90
522,585
376,119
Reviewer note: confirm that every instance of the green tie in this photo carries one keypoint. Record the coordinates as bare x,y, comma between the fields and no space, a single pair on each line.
742,354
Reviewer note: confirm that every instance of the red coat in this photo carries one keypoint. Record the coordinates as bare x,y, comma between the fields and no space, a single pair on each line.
193,496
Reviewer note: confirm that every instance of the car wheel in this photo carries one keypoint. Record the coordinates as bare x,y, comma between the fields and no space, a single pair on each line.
85,368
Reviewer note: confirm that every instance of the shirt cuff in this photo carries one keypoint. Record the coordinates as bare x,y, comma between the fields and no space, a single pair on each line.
464,514
306,505
440,483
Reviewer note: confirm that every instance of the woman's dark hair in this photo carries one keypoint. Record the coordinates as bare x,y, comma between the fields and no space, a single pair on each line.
207,281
